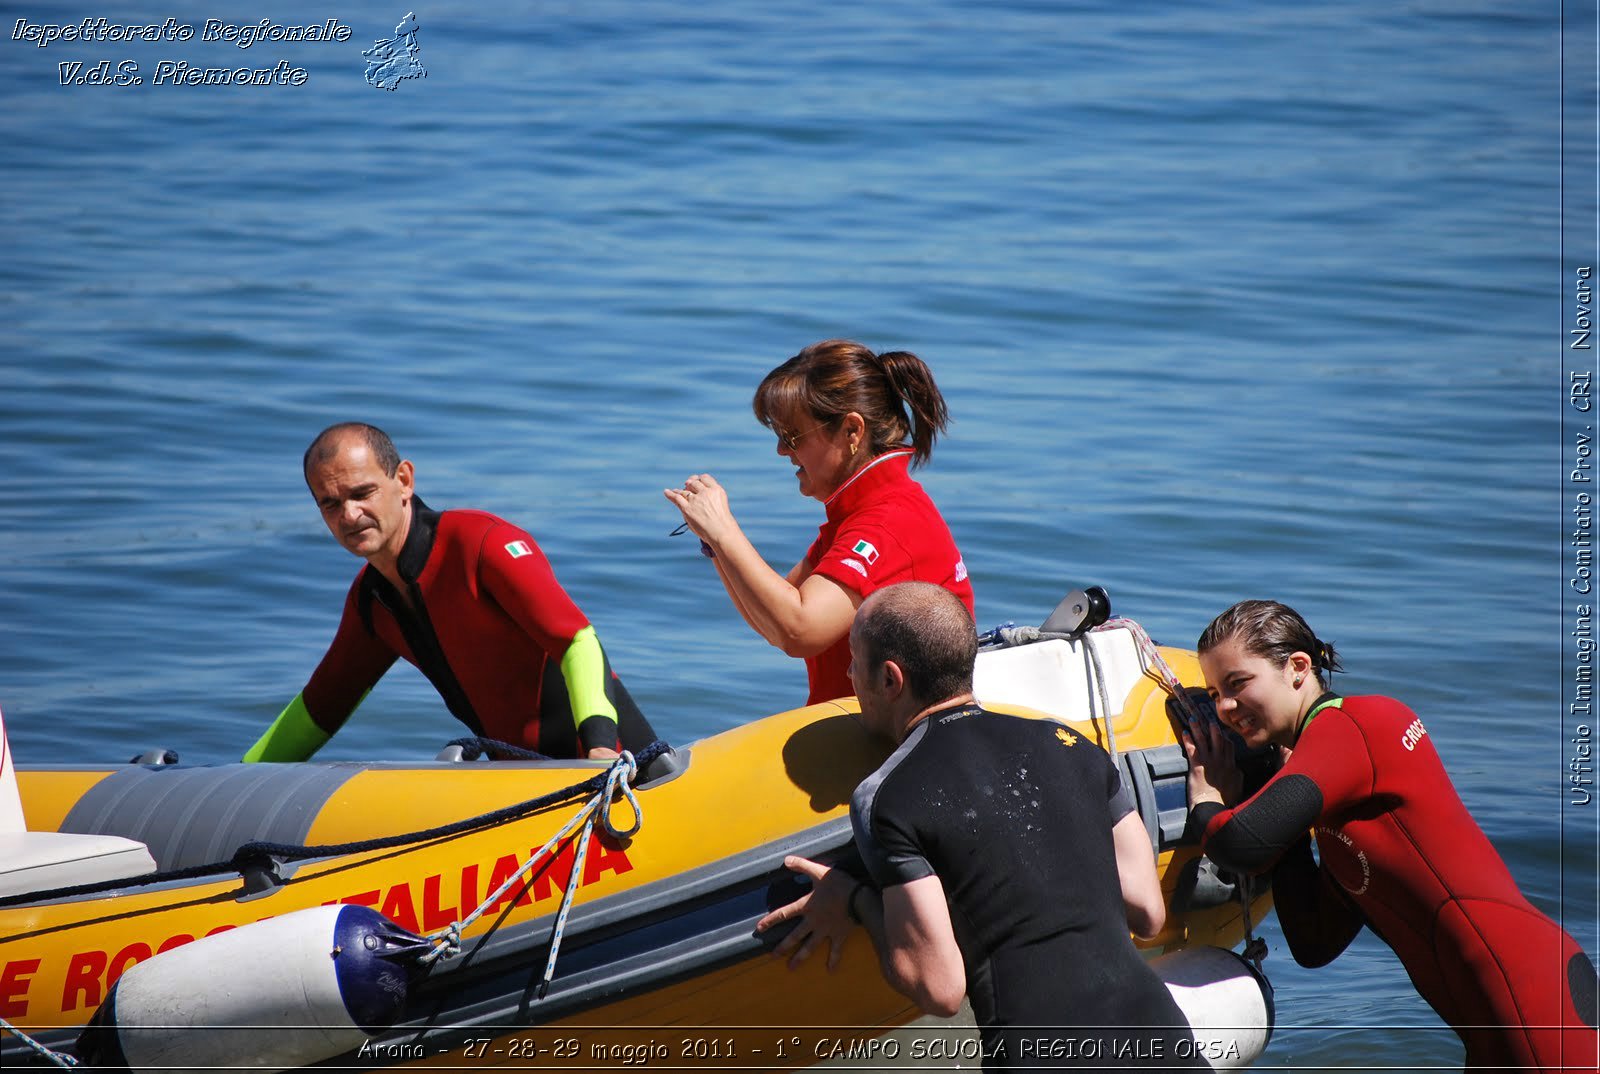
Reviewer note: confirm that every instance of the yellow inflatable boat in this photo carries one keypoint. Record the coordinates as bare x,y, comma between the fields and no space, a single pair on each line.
124,898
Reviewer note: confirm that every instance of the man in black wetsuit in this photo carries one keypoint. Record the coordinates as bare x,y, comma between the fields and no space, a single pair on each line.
1007,863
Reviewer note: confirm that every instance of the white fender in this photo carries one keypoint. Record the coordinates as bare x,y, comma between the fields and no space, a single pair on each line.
1228,1004
273,995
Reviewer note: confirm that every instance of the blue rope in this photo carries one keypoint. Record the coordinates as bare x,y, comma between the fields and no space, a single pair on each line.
623,771
475,746
60,1059
567,896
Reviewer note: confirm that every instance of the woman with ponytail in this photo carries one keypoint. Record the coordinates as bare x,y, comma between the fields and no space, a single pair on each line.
853,423
1398,851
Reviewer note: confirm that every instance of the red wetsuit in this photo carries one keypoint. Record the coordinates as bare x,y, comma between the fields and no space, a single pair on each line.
487,624
1400,853
881,529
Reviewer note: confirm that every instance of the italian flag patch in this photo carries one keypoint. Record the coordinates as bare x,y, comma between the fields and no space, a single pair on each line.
518,549
865,550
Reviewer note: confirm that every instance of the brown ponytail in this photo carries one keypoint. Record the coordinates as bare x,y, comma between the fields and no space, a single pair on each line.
912,381
894,393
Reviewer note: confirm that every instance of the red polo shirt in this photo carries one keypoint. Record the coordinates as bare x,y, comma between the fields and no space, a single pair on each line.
881,529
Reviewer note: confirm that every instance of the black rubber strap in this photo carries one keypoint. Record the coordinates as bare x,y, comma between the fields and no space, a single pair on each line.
850,903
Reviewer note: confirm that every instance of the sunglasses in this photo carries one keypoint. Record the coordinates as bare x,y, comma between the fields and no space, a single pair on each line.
792,440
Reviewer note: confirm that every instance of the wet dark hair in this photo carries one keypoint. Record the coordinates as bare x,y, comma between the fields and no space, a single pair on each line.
1273,631
894,392
325,446
926,630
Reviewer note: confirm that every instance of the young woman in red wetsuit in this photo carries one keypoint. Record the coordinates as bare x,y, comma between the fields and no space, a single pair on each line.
1398,851
854,423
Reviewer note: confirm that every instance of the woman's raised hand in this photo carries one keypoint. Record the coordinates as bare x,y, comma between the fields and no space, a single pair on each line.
704,504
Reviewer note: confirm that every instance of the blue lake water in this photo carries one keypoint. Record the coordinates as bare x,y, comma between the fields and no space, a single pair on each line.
1228,299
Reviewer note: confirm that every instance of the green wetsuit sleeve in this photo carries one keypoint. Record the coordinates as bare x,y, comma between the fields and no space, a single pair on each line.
293,736
583,665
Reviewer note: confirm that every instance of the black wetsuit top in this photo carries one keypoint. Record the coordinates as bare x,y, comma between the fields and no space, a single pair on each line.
1014,816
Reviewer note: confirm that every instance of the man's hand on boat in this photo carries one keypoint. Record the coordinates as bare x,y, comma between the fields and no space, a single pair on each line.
822,915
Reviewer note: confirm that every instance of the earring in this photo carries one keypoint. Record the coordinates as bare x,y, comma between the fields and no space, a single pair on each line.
1297,682
853,450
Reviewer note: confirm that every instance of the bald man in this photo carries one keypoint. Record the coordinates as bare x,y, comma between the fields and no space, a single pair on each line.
465,596
1007,863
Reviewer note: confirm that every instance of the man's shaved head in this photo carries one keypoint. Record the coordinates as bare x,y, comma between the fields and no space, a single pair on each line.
926,630
326,446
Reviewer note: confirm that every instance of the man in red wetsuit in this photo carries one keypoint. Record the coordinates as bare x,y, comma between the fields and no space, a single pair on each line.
1400,853
465,596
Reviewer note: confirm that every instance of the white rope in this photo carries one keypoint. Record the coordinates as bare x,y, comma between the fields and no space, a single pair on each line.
1099,677
447,941
1154,661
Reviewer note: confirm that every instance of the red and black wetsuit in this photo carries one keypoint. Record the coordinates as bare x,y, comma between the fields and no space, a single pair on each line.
1400,853
881,529
486,622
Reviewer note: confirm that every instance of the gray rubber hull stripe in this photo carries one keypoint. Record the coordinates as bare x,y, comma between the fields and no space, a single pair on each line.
196,816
